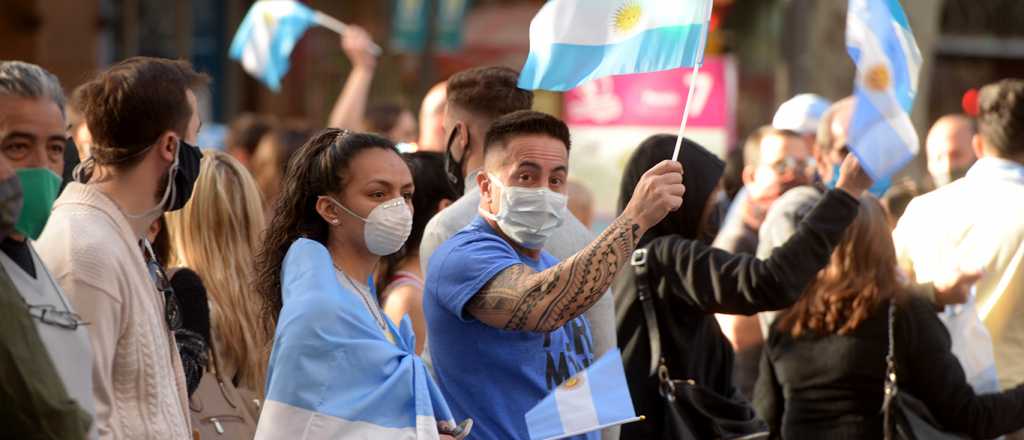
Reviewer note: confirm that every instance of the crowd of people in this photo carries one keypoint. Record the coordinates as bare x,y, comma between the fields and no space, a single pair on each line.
376,276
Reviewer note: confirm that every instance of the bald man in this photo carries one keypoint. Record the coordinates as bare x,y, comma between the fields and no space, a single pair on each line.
432,119
949,148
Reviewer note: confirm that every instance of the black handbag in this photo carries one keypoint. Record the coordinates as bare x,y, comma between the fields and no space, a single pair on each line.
905,417
692,411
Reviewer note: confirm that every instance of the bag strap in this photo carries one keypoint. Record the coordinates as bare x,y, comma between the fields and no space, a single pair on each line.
891,388
643,293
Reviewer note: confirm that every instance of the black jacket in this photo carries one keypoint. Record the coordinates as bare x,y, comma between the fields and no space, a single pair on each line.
833,384
691,281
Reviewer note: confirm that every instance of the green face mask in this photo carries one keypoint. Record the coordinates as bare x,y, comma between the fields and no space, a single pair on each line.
40,187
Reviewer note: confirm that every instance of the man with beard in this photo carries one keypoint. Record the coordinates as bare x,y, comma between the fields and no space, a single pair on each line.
143,118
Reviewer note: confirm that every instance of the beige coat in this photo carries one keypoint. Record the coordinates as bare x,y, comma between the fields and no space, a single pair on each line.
138,381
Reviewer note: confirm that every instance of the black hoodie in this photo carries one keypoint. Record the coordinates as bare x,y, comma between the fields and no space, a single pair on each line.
691,282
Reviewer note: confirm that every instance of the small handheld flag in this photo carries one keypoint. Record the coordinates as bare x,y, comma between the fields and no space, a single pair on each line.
575,41
593,399
268,33
881,44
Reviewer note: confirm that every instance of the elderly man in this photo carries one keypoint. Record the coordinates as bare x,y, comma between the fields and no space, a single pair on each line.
504,316
32,133
949,149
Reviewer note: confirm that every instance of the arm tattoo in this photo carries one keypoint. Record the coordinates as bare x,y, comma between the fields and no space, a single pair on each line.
520,299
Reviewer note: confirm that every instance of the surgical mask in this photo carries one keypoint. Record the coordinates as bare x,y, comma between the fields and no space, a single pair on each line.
387,227
528,215
878,189
40,188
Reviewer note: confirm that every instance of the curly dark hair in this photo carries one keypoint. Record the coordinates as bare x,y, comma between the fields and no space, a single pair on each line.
318,168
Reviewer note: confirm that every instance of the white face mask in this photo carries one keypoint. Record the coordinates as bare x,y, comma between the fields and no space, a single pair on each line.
528,215
387,226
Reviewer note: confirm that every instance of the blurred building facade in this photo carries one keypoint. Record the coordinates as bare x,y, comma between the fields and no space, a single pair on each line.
783,47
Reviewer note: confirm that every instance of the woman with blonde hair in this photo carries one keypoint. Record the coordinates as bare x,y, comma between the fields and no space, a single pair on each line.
215,235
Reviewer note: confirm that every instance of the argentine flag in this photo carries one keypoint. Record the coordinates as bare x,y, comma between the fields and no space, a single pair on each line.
333,373
879,40
575,41
593,399
266,37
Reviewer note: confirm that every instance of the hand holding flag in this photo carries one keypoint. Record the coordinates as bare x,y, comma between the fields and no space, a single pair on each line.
268,33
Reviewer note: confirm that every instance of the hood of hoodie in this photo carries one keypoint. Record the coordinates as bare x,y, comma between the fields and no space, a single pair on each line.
701,172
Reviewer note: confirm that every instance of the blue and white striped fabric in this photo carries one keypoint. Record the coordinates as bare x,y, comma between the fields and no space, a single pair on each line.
593,399
575,41
333,373
266,37
879,40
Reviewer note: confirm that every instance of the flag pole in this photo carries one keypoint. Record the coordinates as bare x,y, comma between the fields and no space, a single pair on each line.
693,79
338,27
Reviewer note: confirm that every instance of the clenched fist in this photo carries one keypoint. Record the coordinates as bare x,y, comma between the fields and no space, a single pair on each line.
852,177
659,191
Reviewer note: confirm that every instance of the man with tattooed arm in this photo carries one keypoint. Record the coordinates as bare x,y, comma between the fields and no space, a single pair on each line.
504,317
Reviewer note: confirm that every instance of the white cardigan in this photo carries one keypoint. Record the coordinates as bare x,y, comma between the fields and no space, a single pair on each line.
138,381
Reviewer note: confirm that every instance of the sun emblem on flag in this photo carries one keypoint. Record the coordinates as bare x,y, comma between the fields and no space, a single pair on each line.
627,16
877,78
269,19
572,382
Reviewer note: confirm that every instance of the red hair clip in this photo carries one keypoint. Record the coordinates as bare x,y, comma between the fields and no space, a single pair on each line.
970,103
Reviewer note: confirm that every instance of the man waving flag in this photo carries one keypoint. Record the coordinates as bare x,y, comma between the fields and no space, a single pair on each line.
574,41
879,40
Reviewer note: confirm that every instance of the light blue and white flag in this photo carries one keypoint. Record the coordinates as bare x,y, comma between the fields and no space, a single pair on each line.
879,40
266,37
575,41
333,372
593,399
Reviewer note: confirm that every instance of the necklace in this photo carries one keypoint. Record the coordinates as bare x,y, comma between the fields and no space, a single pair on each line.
370,303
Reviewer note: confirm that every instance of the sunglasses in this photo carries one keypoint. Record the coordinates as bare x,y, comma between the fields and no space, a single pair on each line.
172,314
50,315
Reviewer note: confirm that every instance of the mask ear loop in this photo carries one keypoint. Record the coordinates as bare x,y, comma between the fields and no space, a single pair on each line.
455,178
349,211
83,171
169,193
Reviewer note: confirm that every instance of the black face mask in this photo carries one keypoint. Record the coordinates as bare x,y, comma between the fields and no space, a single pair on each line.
185,176
452,167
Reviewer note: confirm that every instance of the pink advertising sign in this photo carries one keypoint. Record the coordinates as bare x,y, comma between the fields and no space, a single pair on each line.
656,99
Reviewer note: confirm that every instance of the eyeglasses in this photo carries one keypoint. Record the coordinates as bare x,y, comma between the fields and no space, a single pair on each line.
156,271
49,314
791,164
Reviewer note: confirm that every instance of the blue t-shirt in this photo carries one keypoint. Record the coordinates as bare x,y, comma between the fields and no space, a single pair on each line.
491,375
